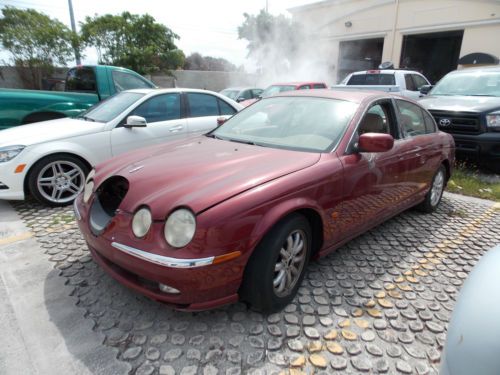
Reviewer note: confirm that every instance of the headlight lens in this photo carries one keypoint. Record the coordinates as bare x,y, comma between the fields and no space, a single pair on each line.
87,191
10,152
142,222
180,227
493,120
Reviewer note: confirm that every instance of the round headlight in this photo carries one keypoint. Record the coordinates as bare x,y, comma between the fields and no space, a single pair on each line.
87,191
141,222
180,227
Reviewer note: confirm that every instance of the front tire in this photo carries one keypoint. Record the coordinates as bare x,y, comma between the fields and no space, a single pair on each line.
277,266
56,180
433,196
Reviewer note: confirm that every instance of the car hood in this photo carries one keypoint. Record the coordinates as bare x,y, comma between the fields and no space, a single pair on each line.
461,103
199,173
45,131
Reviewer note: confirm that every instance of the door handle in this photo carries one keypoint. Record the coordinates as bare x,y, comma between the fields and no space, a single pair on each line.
175,128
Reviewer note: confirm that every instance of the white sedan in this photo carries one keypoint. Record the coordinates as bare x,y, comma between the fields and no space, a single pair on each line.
51,159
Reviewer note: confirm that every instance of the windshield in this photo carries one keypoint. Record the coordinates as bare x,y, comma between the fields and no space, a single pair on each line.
231,94
469,84
276,89
108,109
294,123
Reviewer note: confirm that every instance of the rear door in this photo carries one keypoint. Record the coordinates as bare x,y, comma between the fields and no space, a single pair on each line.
164,123
203,109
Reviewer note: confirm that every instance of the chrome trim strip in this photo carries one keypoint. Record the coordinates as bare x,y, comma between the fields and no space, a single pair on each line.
162,260
77,212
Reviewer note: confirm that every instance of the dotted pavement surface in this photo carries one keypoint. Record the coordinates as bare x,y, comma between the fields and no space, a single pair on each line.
380,304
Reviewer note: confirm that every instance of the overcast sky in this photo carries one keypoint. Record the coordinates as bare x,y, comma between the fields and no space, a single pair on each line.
204,26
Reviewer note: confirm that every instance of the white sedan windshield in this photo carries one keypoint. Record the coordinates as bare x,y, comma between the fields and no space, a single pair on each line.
108,109
295,123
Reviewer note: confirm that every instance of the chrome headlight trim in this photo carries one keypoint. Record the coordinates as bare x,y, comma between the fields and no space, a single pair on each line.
180,228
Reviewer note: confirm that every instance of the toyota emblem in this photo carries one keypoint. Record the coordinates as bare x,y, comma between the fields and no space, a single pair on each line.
445,122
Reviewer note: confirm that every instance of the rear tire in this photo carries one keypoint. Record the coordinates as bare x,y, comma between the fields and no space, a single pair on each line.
433,196
56,180
277,266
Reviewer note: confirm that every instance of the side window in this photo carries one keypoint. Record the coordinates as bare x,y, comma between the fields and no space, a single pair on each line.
225,109
81,79
256,93
247,94
305,87
201,105
376,120
160,108
319,86
410,85
430,125
411,117
419,81
127,81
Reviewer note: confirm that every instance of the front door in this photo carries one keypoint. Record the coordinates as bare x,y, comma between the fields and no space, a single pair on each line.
164,124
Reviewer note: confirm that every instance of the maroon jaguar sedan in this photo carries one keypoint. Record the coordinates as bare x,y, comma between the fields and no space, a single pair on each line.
239,212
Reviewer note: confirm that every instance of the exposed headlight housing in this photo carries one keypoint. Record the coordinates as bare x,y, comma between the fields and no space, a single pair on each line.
10,152
87,190
493,120
142,222
180,228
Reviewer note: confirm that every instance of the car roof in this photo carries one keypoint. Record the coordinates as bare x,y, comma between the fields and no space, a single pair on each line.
298,83
385,71
175,89
355,96
242,88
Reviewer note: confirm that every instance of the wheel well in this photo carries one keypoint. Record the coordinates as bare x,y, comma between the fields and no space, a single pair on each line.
26,178
42,116
447,166
316,224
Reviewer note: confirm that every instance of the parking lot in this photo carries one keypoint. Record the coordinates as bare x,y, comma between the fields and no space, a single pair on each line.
380,304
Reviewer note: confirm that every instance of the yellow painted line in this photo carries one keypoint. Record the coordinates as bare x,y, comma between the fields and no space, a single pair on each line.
16,238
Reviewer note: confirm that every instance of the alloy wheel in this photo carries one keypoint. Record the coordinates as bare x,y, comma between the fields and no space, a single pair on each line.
60,181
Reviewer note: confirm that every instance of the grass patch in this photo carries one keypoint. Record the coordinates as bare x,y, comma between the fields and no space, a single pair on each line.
467,182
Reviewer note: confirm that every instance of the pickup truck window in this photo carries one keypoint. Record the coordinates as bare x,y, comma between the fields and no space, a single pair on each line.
160,108
419,81
410,85
125,81
81,79
110,108
412,119
372,79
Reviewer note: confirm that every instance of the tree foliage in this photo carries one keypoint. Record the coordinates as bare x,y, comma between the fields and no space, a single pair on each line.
133,41
196,61
36,41
272,40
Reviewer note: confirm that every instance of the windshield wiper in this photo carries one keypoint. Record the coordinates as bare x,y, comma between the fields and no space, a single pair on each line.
244,142
212,136
87,118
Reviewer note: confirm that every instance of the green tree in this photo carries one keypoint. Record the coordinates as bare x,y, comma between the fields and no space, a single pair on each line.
272,40
37,43
133,41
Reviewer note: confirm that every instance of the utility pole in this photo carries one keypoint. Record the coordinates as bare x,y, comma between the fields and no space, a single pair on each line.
73,27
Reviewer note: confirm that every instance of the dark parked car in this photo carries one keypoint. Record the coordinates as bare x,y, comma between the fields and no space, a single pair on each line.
466,104
237,213
239,94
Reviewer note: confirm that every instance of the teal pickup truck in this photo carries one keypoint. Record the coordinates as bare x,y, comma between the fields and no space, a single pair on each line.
85,86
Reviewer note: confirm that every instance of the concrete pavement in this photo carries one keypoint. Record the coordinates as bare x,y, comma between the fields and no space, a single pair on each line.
43,332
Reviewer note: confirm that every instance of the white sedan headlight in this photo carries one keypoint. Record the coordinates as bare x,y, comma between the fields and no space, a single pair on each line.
180,227
10,152
142,222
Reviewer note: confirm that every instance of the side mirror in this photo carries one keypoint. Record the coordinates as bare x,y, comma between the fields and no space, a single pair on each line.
240,99
221,120
424,90
375,142
135,122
